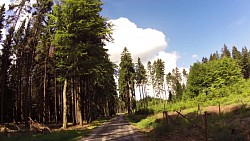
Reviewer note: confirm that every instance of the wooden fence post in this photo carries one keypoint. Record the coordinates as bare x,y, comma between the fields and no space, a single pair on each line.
198,110
165,117
219,108
206,127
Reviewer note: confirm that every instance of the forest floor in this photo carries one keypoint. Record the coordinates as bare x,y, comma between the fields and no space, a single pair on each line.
107,129
230,123
72,133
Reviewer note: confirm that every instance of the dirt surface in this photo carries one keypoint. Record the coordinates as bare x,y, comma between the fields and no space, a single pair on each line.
116,130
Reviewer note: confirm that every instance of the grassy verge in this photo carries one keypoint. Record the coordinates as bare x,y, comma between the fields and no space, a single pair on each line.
71,134
233,123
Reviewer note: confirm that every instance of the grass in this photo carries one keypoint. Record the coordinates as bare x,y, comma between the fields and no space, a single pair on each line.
68,135
233,124
72,134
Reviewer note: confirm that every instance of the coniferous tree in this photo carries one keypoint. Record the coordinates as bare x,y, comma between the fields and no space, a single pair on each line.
236,54
140,77
245,63
126,79
204,60
2,77
225,52
159,67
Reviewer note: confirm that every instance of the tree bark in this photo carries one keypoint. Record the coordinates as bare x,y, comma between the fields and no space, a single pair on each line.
65,104
55,87
73,100
44,89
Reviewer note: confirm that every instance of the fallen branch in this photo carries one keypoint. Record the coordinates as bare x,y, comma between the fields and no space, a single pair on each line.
35,126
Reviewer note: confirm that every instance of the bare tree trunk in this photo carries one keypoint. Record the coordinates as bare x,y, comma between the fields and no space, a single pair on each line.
73,101
143,96
30,99
129,99
65,104
55,87
78,108
44,90
140,91
1,122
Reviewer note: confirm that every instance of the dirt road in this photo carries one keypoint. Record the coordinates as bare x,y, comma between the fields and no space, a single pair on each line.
115,130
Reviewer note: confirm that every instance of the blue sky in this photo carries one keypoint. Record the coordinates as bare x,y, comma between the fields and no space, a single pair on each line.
191,27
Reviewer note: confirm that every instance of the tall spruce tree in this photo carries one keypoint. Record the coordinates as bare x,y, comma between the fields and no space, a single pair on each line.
126,79
159,67
141,79
2,77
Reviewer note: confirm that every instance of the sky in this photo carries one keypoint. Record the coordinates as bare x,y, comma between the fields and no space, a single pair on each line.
178,31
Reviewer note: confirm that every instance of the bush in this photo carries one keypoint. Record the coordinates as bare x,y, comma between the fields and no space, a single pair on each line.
144,111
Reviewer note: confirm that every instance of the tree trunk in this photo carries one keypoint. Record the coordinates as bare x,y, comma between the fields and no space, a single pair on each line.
73,100
65,104
129,95
143,96
140,91
1,122
44,89
78,112
55,87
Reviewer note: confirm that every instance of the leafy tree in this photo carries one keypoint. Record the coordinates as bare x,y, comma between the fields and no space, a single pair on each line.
195,79
213,75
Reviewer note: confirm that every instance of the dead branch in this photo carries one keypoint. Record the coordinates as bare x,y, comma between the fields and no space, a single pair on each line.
35,126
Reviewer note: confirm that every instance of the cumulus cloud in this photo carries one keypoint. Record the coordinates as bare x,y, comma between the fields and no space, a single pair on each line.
143,43
148,44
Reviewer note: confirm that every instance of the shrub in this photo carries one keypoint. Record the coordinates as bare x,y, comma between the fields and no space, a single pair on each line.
144,111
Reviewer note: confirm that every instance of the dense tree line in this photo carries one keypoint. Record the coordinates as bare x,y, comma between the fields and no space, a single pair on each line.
135,75
216,74
53,64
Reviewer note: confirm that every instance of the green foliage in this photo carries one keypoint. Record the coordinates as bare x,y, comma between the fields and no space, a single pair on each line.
212,77
143,111
158,72
126,79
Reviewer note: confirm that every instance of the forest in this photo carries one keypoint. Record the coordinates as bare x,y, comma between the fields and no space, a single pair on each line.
218,76
54,68
53,64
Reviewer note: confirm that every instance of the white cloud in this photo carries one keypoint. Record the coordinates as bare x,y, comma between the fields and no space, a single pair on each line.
170,60
7,3
143,43
195,56
148,44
